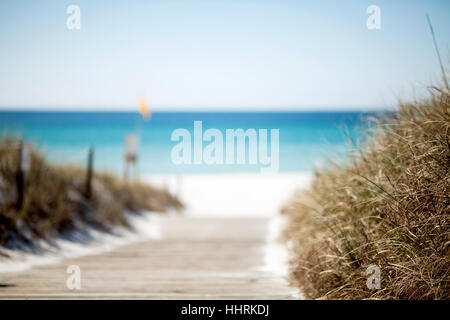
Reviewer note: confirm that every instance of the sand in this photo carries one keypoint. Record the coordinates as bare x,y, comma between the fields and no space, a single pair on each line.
233,195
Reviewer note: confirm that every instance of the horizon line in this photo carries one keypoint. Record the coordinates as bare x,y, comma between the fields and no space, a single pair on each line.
192,109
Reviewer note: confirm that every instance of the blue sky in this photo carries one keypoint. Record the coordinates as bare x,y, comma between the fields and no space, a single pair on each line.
270,55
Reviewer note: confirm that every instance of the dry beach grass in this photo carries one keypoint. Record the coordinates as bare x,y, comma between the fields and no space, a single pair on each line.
55,198
388,206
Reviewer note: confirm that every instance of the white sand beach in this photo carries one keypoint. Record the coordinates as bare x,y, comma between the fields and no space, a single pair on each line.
233,195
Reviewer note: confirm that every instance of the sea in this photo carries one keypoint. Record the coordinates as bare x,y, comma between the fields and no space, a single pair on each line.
307,140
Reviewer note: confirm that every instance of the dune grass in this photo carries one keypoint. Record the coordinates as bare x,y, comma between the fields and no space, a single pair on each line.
388,206
55,198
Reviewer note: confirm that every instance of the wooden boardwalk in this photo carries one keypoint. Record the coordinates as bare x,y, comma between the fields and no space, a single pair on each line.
196,258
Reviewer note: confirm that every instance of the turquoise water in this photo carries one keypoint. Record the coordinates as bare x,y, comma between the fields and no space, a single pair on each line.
306,140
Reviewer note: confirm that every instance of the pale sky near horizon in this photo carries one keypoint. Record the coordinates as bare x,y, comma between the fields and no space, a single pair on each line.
230,55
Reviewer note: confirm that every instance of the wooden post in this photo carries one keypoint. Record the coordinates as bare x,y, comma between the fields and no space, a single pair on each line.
88,191
23,166
20,179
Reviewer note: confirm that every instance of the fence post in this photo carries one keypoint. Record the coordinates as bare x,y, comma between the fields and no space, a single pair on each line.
23,166
20,178
88,191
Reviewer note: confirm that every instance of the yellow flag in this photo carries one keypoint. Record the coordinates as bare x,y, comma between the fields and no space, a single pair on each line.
144,110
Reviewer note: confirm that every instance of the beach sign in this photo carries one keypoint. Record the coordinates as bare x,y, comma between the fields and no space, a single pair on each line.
144,110
131,153
131,147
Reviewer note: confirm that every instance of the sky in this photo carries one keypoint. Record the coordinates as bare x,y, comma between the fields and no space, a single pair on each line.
218,55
